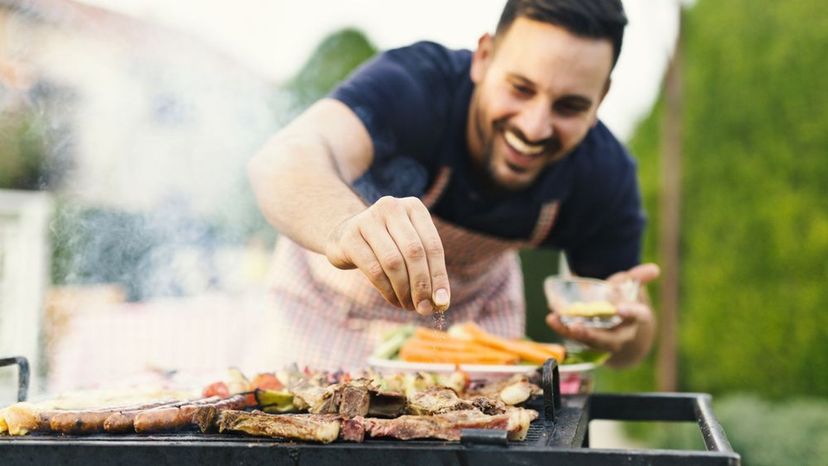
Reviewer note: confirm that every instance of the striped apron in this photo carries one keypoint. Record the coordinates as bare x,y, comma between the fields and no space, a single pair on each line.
324,317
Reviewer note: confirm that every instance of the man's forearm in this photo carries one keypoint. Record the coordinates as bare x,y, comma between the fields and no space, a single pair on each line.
300,191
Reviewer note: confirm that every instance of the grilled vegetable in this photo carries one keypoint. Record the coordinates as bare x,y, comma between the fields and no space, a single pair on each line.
275,401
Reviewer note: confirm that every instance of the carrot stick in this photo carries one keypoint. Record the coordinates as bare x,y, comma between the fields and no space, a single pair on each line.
417,354
460,346
526,352
429,334
558,352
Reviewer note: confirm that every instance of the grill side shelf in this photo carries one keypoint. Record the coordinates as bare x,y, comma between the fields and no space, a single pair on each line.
665,407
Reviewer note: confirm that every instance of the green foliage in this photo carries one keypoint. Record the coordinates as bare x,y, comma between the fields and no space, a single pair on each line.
755,203
762,432
22,150
537,265
332,61
756,214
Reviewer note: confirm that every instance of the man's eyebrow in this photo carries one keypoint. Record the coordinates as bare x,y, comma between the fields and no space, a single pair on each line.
569,98
522,79
576,99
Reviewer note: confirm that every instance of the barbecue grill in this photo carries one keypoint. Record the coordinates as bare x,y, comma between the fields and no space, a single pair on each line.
559,436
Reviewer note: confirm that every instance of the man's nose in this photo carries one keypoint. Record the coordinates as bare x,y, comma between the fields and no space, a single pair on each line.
535,121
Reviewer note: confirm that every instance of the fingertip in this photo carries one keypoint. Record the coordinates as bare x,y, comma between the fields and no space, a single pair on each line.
647,272
442,298
424,308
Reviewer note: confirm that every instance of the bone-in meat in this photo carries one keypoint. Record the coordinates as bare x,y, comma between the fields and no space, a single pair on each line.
436,400
310,427
441,426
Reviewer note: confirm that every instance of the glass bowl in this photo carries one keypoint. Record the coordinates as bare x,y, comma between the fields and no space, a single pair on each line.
588,301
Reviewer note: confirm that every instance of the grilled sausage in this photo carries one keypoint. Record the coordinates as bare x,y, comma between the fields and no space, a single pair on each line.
89,421
169,418
159,420
124,421
79,422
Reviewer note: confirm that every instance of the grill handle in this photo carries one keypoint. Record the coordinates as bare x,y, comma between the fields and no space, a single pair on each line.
663,407
479,437
551,385
22,374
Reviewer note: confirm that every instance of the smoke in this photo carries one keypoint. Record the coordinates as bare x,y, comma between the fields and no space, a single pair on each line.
142,133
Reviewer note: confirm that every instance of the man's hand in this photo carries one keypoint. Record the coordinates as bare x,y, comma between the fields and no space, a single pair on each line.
628,341
395,244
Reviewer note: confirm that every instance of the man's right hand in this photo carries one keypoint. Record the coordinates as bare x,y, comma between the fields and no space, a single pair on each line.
395,244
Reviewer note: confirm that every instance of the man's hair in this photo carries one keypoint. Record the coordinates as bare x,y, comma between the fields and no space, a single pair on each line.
601,19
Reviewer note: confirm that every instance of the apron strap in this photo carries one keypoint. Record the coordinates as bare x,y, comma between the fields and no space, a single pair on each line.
546,220
437,188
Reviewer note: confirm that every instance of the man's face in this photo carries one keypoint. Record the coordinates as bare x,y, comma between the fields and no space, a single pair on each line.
537,90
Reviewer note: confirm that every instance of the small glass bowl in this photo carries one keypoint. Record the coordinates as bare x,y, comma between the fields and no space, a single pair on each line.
588,301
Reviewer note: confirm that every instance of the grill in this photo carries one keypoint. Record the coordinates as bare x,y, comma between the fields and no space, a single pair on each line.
559,436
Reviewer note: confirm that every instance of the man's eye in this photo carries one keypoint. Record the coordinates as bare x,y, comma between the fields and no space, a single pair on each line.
521,89
565,108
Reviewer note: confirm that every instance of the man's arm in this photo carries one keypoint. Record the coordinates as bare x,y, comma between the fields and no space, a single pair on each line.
301,179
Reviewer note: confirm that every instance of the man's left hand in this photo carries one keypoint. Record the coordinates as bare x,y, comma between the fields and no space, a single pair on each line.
630,340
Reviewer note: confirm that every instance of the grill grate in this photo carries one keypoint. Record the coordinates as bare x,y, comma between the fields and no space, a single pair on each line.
558,437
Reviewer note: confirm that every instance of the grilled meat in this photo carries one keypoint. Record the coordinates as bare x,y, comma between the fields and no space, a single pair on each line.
311,427
446,426
355,399
436,400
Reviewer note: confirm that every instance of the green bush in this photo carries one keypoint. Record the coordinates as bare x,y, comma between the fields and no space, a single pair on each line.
755,221
22,150
332,61
754,200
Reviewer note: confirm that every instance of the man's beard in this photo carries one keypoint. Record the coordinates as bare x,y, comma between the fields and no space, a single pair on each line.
487,171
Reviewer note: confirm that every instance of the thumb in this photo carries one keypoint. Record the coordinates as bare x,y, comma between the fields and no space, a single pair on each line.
643,273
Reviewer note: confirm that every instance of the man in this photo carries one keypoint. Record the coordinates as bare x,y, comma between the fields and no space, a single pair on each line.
412,186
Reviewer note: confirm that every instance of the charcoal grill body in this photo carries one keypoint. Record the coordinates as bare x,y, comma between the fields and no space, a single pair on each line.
559,436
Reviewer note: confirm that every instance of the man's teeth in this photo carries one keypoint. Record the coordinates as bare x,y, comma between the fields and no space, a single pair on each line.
521,146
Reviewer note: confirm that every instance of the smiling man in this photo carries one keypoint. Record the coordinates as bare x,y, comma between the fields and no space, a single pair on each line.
415,183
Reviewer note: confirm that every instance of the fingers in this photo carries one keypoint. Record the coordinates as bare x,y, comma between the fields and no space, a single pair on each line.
386,252
414,261
363,257
644,273
435,256
610,340
613,339
408,247
633,311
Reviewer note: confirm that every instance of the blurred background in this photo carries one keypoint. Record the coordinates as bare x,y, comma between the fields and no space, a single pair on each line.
131,246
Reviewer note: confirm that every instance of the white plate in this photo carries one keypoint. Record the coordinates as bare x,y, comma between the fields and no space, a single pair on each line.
480,370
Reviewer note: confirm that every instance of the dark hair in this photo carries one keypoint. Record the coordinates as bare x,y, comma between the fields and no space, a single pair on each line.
602,19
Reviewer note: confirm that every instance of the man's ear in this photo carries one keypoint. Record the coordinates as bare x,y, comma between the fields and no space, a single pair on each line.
482,57
603,94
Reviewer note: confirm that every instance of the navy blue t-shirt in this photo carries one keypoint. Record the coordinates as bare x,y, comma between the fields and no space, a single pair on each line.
414,102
